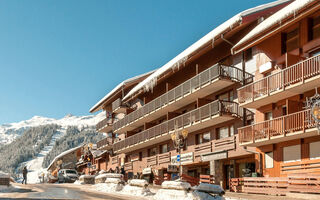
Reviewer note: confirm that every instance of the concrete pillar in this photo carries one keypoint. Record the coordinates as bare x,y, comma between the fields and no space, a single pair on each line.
216,171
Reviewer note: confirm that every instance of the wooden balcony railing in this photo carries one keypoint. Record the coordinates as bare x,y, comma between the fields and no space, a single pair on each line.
164,158
185,120
152,160
279,126
275,82
105,122
190,86
114,160
224,144
128,166
192,180
104,142
117,104
303,166
203,148
207,179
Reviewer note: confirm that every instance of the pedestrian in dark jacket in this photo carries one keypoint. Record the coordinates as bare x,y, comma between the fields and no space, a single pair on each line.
24,173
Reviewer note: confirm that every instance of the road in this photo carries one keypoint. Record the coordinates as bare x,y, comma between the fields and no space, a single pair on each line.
60,191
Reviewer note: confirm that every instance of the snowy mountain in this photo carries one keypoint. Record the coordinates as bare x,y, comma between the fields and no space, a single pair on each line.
9,132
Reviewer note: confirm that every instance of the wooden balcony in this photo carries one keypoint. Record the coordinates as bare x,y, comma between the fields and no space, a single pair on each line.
209,81
164,158
284,128
152,160
105,144
203,148
224,144
118,107
105,125
208,115
128,166
291,81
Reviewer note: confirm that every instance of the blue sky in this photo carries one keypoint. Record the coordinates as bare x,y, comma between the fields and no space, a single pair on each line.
60,57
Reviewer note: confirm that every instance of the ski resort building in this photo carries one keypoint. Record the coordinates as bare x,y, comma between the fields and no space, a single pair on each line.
285,96
195,94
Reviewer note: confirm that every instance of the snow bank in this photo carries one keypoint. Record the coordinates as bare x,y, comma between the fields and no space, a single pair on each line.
101,178
138,182
135,190
176,185
7,189
114,175
87,179
210,188
171,194
108,187
4,175
113,180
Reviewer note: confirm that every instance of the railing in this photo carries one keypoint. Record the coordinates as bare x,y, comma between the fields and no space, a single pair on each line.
116,104
182,121
114,160
128,166
294,183
103,123
207,179
296,73
152,160
104,142
164,158
203,148
192,180
188,87
304,166
279,126
225,144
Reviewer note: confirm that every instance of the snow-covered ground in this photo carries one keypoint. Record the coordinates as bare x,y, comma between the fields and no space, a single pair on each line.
34,166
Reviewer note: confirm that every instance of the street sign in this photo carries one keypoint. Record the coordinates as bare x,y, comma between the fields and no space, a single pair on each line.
89,164
178,158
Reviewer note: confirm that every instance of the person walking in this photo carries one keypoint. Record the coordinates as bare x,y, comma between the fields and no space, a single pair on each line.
24,173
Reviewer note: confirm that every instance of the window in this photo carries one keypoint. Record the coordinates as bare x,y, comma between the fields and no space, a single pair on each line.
267,116
314,28
152,151
248,54
227,96
225,132
314,150
268,160
289,41
203,138
140,156
292,153
164,148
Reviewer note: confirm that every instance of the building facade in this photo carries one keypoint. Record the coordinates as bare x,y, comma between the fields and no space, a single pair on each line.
196,92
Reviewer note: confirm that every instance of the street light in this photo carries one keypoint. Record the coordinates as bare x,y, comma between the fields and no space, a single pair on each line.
178,140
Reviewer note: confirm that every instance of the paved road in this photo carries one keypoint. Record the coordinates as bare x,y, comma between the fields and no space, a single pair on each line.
59,191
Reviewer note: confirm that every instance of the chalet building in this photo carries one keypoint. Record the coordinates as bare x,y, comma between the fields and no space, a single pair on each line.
194,93
285,50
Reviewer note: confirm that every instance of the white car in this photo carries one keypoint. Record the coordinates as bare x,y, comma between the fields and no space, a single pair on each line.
67,176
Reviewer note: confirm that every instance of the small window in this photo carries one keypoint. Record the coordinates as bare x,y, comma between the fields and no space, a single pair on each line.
292,153
289,41
248,54
203,138
314,28
268,160
268,116
314,150
223,132
152,151
164,148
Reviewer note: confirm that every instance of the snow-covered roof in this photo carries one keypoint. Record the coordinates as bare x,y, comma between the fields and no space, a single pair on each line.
276,18
151,80
118,87
63,154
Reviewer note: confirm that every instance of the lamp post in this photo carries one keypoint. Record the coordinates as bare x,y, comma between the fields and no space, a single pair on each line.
178,139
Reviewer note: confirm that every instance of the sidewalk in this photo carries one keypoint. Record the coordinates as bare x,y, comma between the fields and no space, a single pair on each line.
244,196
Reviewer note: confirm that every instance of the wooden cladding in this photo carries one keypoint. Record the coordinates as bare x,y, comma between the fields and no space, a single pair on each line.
104,142
195,83
280,126
128,166
281,80
152,160
104,123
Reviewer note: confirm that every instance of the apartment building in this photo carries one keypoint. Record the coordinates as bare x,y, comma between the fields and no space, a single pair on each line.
286,48
195,92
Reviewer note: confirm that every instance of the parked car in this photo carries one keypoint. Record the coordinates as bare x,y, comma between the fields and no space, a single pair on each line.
67,176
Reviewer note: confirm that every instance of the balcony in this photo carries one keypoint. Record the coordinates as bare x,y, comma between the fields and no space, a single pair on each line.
105,125
152,160
105,144
291,81
207,82
118,107
208,115
219,145
293,126
164,158
128,166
